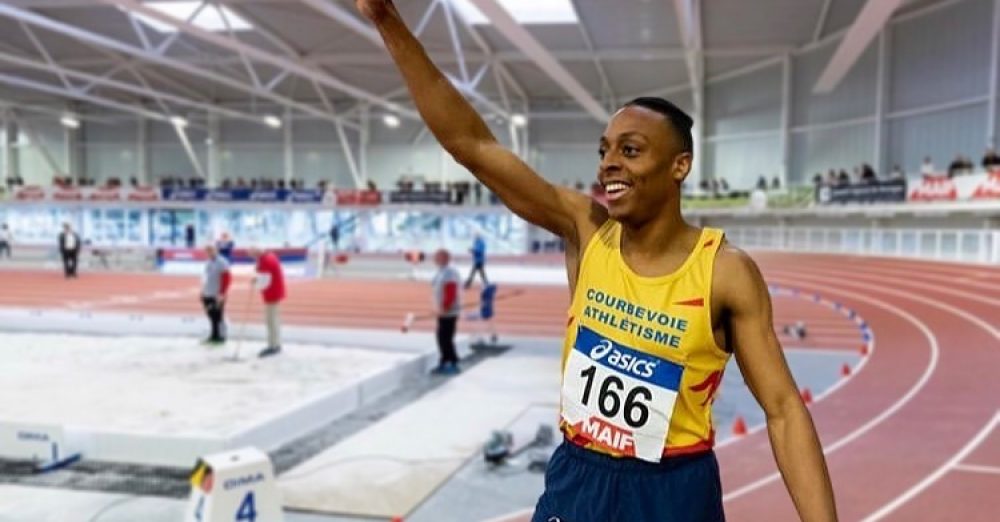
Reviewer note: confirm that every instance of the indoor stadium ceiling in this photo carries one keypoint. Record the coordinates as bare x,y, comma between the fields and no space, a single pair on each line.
316,57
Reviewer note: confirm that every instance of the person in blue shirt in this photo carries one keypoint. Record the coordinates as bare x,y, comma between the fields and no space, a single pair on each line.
225,246
486,311
478,251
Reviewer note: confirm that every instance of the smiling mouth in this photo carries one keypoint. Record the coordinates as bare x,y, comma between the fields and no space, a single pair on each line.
616,190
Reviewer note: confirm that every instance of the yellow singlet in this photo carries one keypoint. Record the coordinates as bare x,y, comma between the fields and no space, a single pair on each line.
640,362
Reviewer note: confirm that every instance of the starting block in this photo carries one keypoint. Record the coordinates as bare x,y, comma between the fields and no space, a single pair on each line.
235,486
47,446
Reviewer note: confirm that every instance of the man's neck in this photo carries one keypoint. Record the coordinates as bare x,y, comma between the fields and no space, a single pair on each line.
661,235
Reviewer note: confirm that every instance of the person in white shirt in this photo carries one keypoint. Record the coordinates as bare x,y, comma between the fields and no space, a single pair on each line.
69,249
447,304
927,168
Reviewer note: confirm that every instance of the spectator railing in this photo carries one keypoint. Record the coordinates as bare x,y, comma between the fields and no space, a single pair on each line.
960,245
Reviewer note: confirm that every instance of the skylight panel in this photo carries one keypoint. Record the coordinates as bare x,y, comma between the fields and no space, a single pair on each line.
524,11
209,18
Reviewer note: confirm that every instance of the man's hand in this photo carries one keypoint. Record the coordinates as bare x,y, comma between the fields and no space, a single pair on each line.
373,9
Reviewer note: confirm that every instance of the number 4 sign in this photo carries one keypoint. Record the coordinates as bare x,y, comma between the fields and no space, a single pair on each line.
236,486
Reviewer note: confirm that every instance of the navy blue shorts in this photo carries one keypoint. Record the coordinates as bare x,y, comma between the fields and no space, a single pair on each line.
585,486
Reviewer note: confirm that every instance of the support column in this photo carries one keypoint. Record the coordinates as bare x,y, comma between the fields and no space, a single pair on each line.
142,151
991,117
287,149
786,119
881,162
213,143
6,151
364,142
71,151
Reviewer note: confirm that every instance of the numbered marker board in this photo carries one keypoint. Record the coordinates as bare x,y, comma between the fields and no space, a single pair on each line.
236,486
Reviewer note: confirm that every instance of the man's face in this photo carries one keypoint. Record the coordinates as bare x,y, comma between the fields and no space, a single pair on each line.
641,165
441,258
210,251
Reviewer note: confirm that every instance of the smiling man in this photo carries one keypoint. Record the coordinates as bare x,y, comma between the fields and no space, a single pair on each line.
658,309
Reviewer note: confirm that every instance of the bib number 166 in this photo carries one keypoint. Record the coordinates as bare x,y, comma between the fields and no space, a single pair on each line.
609,400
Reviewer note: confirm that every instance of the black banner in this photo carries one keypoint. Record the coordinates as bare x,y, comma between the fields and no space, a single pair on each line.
888,191
438,198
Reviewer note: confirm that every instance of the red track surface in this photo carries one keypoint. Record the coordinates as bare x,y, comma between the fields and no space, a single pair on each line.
910,437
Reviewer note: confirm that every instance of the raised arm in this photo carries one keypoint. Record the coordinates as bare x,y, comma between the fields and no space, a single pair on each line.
464,134
794,442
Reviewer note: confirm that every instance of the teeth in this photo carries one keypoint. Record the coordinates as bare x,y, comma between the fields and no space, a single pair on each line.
615,187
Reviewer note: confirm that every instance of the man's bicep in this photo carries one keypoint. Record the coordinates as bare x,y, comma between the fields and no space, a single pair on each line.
756,347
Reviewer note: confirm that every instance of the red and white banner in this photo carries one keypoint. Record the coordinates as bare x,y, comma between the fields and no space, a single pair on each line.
989,188
935,188
30,193
357,197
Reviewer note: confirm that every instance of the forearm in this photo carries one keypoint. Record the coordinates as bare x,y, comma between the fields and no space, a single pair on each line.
800,458
448,115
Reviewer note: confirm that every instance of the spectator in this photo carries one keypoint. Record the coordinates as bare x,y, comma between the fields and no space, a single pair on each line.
868,175
335,235
991,160
478,251
762,183
270,281
189,236
225,246
776,183
927,168
956,166
213,293
446,306
897,172
69,249
6,241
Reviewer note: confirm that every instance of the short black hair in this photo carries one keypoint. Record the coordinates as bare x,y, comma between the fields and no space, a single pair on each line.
677,118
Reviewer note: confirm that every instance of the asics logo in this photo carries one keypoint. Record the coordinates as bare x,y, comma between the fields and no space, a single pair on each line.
639,366
603,348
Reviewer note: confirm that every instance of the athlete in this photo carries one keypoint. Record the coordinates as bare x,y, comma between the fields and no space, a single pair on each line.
658,308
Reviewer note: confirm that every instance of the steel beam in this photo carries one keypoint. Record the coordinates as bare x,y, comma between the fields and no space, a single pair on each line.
872,18
152,57
257,54
530,46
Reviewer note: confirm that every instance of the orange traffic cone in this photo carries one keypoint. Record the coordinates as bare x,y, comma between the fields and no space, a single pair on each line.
845,370
739,426
807,396
396,519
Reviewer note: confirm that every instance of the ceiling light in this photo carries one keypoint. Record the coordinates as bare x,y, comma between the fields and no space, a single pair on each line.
70,122
272,121
178,121
519,120
391,120
524,11
209,18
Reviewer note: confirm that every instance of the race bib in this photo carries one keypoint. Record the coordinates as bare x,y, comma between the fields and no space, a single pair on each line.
619,398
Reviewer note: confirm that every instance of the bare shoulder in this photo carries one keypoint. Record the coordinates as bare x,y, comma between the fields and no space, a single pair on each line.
738,280
588,214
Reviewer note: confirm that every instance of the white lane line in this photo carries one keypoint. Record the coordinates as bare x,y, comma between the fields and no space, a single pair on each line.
842,280
826,393
888,412
976,468
883,276
937,474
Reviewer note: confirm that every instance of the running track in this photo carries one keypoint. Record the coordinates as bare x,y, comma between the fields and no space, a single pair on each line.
913,436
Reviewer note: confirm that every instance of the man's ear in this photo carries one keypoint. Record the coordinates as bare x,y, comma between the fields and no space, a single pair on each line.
681,166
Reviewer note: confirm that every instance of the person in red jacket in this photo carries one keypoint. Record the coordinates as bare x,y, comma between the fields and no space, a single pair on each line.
270,280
